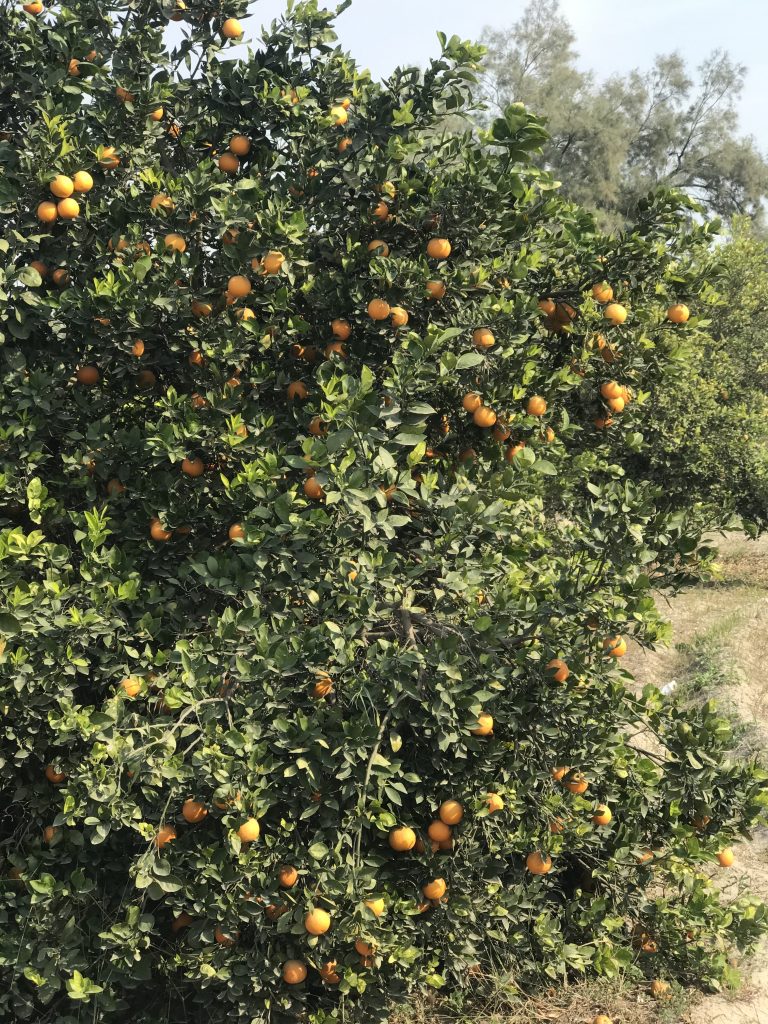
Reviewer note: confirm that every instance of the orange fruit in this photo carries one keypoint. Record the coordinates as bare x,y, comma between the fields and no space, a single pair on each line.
238,286
225,938
538,863
601,1019
287,876
559,773
328,973
158,532
578,784
678,313
145,379
615,646
40,267
317,922
615,313
399,316
435,890
339,115
35,7
62,186
174,241
109,158
378,309
602,422
182,920
296,390
439,831
272,262
232,29
54,776
193,811
435,289
378,248
60,277
450,812
240,145
725,857
549,435
484,417
335,348
381,211
501,432
156,114
115,488
645,857
402,839
47,212
547,306
483,338
340,329
165,834
616,404
439,248
192,467
161,200
471,401
313,489
610,389
131,686
317,427
602,815
484,725
375,906
536,406
294,972
556,826
124,95
68,209
344,144
49,833
236,532
659,989
558,670
602,292
322,688
494,802
229,163
249,831
88,375
364,948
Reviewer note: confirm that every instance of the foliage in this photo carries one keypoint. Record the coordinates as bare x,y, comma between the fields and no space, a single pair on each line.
323,668
613,141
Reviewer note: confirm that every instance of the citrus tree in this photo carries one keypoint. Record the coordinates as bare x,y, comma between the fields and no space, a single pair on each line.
322,539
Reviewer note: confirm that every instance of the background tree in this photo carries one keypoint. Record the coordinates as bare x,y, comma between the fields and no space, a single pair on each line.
612,141
319,536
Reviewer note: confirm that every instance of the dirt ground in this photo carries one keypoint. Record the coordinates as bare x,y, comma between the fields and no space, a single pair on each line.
734,612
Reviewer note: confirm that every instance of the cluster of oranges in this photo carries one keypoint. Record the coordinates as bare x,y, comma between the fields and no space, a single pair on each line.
63,187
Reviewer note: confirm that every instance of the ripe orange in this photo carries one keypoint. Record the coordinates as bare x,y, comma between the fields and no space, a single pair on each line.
601,1019
451,812
602,815
313,489
364,948
60,277
399,316
182,920
645,857
238,286
272,262
725,857
484,725
62,186
68,209
549,435
294,972
249,831
536,406
236,532
115,488
484,417
439,248
678,314
109,158
165,834
35,7
328,973
240,145
435,289
335,348
615,646
547,306
232,29
161,200
287,876
296,390
375,906
602,292
344,144
131,686
54,776
193,811
158,532
192,467
501,432
616,404
558,670
174,241
494,802
47,212
610,389
49,833
379,248
378,309
556,826
471,401
322,688
435,890
559,773
88,375
229,163
339,115
124,95
156,114
225,938
538,863
317,922
381,211
40,267
615,313
483,338
660,989
340,329
145,379
439,831
577,784
402,839
602,422
317,427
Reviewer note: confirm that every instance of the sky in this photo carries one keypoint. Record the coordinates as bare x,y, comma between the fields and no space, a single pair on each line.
613,35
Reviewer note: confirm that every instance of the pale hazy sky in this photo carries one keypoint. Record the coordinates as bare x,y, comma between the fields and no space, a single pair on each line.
613,35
